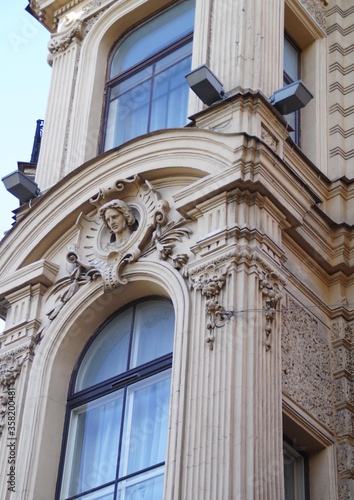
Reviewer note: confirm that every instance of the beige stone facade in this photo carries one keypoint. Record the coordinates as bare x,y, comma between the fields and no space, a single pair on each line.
249,235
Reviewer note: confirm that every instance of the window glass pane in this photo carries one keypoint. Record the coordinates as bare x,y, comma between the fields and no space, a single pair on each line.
154,36
93,444
146,486
107,355
129,114
291,60
136,108
153,332
170,92
145,424
101,494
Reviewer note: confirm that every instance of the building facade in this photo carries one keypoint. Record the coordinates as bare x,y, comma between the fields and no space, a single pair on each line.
179,295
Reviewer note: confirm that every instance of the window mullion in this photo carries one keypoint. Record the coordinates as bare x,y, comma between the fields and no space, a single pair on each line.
120,441
151,102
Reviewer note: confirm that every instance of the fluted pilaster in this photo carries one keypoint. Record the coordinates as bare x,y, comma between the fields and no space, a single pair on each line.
250,56
64,48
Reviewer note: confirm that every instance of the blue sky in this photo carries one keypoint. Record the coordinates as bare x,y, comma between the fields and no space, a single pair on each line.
24,82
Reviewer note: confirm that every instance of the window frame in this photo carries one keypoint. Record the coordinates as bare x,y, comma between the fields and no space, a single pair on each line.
311,38
296,134
301,462
119,382
111,82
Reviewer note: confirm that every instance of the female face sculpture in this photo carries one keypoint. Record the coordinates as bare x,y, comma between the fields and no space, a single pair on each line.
119,219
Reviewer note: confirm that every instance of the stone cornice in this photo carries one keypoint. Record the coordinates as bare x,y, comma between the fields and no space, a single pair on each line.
43,272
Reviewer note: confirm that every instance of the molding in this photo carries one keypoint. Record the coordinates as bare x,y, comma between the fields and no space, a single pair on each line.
306,422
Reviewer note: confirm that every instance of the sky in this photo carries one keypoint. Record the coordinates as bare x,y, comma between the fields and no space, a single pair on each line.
24,85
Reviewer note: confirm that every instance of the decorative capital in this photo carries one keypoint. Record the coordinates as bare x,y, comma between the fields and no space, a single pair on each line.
73,32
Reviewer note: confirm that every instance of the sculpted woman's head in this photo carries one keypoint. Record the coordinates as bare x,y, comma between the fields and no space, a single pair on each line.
119,219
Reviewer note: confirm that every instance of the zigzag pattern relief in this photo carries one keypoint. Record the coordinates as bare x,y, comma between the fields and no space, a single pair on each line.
344,133
343,90
346,155
342,31
341,12
341,50
338,67
337,108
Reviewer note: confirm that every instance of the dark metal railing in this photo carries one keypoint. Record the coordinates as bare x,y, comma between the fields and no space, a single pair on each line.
37,141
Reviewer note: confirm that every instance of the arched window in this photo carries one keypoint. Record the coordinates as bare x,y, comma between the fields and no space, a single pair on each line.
118,408
146,88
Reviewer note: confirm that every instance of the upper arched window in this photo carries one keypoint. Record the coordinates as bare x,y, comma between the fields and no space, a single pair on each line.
146,88
118,408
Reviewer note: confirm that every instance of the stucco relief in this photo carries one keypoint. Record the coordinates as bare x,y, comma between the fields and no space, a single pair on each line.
269,138
210,283
306,363
316,8
10,367
270,289
130,222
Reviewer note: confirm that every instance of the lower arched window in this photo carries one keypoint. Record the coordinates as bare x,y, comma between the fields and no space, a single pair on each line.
118,408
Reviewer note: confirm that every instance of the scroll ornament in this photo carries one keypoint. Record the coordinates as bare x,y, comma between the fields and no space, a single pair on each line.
121,231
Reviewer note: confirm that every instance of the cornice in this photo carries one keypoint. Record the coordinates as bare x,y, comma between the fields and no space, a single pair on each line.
42,272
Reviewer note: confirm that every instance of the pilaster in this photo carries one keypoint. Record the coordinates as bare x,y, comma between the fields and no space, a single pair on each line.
64,48
233,444
21,296
246,60
18,344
